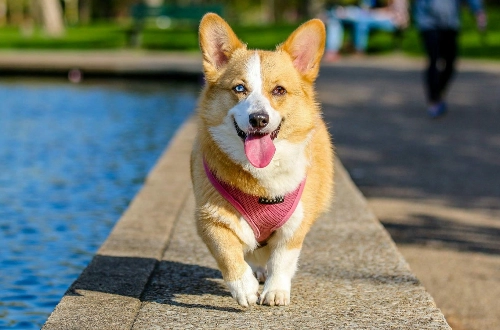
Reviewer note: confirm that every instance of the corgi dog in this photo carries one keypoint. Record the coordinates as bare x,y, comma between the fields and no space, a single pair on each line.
262,161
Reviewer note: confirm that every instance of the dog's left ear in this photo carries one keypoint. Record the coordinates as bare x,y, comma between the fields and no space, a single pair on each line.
306,46
217,42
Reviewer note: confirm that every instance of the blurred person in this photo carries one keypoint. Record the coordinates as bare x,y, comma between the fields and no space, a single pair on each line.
363,18
439,22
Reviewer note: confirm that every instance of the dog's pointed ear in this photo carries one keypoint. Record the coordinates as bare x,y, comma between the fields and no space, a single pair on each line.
217,44
306,46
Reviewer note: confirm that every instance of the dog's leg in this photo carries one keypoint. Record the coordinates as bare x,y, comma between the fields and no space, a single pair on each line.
284,247
245,289
227,250
257,259
281,267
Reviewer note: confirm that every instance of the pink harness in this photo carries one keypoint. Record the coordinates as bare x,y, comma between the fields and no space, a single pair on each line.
262,214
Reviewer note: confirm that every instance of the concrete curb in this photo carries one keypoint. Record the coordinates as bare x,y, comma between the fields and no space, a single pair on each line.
151,63
124,62
153,272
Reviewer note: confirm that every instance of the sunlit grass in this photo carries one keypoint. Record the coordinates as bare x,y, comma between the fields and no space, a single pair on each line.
108,35
96,36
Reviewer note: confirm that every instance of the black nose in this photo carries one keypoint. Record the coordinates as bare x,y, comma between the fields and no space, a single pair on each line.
259,120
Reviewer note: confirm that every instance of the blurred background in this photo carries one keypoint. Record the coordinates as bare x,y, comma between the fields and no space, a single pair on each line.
171,25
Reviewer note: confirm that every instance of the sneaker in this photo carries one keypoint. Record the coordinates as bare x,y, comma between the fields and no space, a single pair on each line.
437,110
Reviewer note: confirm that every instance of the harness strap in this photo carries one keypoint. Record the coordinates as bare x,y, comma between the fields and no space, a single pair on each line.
263,217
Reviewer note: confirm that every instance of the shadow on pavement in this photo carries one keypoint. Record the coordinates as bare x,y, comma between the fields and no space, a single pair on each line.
391,149
128,276
172,279
424,229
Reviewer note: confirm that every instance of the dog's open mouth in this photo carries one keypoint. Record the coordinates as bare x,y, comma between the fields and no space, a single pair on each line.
259,147
244,135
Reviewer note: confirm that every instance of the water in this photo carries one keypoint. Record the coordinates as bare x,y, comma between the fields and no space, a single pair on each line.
71,159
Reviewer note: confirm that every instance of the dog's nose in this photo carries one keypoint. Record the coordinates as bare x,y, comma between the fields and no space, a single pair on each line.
258,120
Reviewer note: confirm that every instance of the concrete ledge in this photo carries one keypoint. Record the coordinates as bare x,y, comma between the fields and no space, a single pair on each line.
162,63
107,63
153,272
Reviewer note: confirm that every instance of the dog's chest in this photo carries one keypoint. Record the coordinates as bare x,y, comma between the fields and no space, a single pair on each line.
264,214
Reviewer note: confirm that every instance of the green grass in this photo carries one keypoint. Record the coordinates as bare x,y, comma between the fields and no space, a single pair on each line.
186,38
106,35
98,36
114,36
472,43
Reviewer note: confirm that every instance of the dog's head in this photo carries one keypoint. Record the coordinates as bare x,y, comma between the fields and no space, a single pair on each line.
254,98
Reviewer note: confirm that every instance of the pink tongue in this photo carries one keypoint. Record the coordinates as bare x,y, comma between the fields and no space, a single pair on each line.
259,149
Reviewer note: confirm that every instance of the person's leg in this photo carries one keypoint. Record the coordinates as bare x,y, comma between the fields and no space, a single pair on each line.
361,30
334,38
448,55
382,22
366,22
432,74
430,39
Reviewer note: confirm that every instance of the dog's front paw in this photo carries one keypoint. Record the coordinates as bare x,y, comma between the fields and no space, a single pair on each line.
275,298
245,290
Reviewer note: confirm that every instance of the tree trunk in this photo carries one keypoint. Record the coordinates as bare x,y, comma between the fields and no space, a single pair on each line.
85,11
270,11
16,14
3,12
52,17
71,11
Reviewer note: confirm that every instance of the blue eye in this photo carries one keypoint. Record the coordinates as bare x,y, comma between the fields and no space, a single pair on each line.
239,88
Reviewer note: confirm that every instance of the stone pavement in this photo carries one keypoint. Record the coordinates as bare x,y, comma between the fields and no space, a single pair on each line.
124,62
434,184
153,272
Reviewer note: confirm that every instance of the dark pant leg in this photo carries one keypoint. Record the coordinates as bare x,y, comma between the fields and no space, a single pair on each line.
430,39
441,49
448,55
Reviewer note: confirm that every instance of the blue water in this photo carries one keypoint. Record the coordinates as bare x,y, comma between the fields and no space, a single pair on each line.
71,159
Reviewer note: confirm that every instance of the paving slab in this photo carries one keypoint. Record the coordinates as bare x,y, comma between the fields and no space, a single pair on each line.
434,184
153,272
92,62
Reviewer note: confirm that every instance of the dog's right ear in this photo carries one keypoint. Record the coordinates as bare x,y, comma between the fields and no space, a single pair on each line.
217,43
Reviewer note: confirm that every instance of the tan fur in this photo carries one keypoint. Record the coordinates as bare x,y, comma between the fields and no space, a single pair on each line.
294,64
